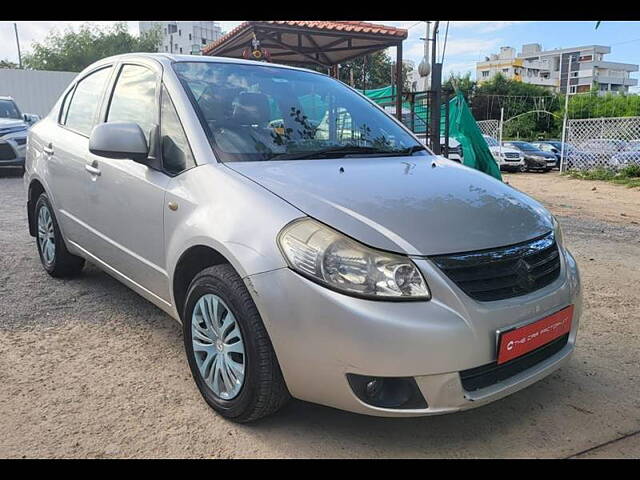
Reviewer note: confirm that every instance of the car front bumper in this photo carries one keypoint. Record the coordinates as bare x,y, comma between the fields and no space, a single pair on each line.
11,154
320,336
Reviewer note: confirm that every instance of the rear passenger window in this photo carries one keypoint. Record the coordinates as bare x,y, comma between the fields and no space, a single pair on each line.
176,153
134,98
81,114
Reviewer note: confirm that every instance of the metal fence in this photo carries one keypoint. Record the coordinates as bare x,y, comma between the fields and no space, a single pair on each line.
416,115
490,127
607,142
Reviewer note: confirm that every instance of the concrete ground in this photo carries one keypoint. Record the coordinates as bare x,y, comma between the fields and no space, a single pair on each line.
90,369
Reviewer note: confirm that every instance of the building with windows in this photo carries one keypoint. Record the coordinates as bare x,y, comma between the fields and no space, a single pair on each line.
574,69
184,37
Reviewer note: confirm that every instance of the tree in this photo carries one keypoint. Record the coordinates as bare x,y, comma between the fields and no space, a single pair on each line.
73,51
516,98
462,83
378,72
7,64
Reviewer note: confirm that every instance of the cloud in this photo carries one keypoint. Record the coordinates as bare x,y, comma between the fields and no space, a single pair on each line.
485,26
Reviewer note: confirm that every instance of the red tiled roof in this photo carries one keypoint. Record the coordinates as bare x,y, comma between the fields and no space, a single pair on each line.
341,26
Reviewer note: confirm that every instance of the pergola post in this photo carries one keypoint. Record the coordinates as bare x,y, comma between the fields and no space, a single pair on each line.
399,81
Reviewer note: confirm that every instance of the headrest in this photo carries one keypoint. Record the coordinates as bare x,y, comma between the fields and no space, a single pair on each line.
215,103
252,109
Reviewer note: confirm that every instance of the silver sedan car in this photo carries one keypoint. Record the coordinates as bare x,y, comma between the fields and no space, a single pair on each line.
308,243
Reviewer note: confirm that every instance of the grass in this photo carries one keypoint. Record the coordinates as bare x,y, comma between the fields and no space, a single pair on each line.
629,175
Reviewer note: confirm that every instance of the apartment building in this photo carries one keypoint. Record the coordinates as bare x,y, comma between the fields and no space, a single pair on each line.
572,70
184,37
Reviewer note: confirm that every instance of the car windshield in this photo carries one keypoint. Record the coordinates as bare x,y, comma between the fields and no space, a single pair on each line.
524,146
255,112
8,109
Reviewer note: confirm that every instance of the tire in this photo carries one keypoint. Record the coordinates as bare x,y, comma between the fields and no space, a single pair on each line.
56,260
262,390
523,168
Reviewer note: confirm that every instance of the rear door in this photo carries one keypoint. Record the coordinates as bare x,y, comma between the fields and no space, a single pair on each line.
65,149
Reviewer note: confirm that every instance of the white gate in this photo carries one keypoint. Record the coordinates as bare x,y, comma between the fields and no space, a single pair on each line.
490,127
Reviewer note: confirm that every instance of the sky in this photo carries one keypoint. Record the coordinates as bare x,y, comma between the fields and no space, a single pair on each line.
467,42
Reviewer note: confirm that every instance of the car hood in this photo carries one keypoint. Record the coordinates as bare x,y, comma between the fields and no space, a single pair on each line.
496,149
415,205
529,153
8,125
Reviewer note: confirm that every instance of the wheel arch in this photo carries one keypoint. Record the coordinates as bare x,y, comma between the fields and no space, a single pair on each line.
192,261
36,188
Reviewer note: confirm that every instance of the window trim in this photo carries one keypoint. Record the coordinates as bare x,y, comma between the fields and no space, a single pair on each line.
72,91
163,89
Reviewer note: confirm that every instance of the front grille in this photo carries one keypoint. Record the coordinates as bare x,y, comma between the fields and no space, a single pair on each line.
512,155
491,373
6,152
496,274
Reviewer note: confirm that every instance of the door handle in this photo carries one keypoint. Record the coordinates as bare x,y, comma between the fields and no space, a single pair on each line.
92,168
48,150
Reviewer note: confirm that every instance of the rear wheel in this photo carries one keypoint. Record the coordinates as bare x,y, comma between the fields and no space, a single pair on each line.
229,351
55,257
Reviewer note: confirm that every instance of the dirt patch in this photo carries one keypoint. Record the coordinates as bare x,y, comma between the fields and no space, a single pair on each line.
593,199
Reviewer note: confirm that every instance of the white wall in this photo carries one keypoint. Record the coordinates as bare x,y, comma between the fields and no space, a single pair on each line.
35,91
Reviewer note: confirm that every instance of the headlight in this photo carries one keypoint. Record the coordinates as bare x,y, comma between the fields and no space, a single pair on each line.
557,231
336,261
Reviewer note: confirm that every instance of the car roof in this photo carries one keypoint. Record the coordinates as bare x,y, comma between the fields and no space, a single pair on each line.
169,58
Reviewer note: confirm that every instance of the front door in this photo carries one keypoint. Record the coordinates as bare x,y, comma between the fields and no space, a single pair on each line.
126,198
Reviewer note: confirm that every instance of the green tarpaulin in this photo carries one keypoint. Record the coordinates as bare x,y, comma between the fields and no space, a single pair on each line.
462,127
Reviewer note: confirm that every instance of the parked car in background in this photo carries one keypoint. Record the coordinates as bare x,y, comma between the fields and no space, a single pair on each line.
535,159
602,150
573,158
366,275
13,133
507,158
630,155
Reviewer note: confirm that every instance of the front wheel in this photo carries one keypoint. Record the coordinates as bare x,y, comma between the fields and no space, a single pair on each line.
229,351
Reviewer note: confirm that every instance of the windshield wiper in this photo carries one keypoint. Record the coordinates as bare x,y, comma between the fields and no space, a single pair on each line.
346,150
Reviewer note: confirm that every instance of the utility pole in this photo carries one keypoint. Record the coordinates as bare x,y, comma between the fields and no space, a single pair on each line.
566,111
436,84
424,68
15,27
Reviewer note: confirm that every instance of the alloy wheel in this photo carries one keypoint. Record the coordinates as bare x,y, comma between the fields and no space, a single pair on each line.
218,346
46,235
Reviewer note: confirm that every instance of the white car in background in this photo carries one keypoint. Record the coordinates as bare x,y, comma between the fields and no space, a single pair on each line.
507,158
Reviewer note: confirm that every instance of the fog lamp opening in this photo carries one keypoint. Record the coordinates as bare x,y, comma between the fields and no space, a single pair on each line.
387,392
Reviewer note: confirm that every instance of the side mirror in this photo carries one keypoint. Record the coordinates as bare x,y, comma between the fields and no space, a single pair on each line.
31,118
119,140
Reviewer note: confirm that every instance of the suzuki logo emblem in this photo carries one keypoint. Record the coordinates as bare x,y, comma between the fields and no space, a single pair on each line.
523,270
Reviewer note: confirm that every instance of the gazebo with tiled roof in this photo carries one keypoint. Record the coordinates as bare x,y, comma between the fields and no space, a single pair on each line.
324,43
